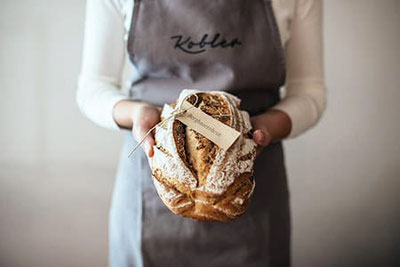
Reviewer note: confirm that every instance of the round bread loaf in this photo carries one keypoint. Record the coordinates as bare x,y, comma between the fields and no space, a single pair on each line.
192,175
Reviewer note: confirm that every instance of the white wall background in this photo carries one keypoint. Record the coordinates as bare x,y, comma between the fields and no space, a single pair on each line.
57,168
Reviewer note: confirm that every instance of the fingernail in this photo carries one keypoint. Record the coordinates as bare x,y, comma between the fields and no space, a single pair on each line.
261,136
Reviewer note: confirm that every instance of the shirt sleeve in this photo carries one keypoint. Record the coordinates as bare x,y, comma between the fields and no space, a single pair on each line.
305,98
103,59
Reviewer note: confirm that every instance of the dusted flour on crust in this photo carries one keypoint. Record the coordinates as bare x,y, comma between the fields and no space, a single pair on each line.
192,175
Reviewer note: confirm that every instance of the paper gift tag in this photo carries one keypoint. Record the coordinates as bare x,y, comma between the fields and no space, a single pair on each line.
216,131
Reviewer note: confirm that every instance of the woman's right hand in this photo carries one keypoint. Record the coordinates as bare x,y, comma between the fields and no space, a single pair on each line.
144,117
140,117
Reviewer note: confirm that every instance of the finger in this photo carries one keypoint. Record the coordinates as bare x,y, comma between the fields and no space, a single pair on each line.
148,141
261,137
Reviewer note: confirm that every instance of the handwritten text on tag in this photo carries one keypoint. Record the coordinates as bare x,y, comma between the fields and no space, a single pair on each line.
216,131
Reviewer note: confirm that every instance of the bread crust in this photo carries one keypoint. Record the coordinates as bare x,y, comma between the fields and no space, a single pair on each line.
192,175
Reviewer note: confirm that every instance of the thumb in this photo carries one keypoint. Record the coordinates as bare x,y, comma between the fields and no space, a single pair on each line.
261,137
148,146
148,142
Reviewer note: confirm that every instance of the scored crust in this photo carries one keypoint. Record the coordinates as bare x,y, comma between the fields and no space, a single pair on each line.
192,175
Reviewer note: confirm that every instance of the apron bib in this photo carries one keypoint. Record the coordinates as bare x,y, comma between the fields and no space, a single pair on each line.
209,45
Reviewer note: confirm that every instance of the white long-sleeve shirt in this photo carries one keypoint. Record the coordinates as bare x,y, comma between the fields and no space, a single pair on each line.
104,61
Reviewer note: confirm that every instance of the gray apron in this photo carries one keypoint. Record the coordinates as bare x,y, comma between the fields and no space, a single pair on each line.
209,45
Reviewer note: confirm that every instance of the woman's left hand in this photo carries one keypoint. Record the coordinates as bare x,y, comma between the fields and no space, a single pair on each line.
270,126
261,135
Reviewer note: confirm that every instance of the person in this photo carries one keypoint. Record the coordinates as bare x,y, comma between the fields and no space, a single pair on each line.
268,53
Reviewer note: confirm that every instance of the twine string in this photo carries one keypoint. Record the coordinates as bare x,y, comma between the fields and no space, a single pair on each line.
178,111
175,113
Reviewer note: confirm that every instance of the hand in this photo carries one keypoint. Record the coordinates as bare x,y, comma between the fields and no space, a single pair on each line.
261,135
144,117
270,126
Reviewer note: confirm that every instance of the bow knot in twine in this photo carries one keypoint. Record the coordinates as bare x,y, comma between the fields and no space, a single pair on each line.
178,111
